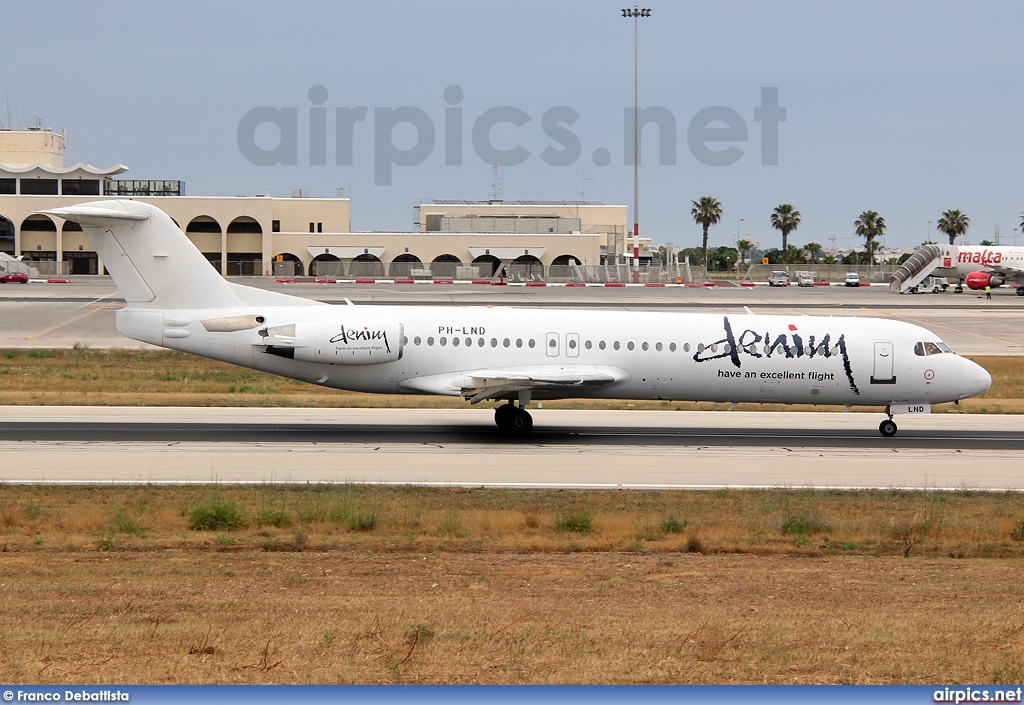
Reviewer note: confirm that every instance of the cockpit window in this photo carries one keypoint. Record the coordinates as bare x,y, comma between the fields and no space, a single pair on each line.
923,349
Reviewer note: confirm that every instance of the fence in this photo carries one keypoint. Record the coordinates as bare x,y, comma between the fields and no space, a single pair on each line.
537,273
35,270
834,273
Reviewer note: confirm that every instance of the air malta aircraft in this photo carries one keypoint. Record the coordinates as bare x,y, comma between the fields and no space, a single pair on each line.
175,299
981,266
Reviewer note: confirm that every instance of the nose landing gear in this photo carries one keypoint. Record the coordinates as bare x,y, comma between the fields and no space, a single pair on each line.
888,427
513,420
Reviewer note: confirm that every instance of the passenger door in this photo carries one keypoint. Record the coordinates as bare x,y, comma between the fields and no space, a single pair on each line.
883,373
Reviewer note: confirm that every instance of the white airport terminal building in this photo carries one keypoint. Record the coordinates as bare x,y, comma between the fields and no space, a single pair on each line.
296,236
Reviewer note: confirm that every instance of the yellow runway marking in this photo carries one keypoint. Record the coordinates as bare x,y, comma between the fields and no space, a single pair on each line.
939,325
44,331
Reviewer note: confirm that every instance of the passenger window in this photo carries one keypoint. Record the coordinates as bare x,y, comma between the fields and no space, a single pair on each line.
700,348
455,342
494,343
601,345
506,342
645,346
589,345
629,345
658,347
519,342
672,347
469,342
430,341
552,343
443,341
480,342
572,344
416,340
405,340
532,342
616,345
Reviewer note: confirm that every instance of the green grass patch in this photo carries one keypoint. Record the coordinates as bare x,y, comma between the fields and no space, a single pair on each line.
217,516
579,522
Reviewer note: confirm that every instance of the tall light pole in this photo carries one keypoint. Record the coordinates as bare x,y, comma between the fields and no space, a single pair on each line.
636,13
737,240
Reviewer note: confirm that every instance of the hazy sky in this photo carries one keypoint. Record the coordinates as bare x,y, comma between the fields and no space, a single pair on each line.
906,108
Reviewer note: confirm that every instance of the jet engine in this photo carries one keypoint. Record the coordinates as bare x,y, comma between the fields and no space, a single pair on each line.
979,280
351,342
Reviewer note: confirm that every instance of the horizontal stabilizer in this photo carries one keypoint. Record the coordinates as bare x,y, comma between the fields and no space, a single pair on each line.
95,215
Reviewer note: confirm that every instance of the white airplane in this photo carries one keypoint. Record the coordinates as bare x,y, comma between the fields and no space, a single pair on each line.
981,266
175,299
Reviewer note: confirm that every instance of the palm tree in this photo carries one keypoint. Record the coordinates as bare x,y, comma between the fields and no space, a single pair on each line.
953,223
706,212
744,246
785,218
813,249
795,255
869,226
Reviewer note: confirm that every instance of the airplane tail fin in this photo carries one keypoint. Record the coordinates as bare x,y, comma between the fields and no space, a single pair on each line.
150,259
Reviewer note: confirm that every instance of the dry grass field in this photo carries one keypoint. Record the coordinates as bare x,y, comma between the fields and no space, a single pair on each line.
84,377
356,584
358,616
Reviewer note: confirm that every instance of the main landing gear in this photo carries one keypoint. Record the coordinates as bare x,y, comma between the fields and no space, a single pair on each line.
513,420
888,427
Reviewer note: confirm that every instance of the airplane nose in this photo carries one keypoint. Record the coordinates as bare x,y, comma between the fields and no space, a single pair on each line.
975,380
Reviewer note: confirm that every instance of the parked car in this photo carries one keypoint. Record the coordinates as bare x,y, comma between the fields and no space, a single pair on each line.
13,278
852,279
778,278
805,278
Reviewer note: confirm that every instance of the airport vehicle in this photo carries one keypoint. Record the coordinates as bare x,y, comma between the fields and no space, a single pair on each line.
805,278
936,285
13,278
852,279
175,299
778,278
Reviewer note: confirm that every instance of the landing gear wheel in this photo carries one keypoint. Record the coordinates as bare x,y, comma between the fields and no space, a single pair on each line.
513,420
1020,291
522,423
958,290
887,428
503,417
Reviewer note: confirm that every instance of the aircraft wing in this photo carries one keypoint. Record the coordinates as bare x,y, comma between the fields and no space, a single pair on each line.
489,384
478,385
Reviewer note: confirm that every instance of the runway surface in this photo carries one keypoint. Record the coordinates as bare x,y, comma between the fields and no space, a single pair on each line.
569,449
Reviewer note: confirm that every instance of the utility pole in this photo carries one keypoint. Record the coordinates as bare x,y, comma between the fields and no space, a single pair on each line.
636,13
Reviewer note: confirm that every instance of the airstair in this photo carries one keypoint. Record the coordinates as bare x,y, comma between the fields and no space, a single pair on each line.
923,262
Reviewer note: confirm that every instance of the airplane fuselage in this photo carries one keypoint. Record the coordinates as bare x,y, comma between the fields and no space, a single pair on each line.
646,355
